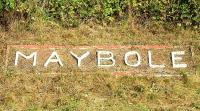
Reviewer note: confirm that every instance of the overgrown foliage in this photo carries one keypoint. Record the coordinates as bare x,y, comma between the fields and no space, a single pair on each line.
97,90
71,13
7,5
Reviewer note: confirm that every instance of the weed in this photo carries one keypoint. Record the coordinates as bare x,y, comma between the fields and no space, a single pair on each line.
196,105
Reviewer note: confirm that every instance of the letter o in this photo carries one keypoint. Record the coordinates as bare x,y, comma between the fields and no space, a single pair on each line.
132,53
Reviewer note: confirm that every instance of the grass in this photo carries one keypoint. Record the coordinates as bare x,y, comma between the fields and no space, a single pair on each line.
97,91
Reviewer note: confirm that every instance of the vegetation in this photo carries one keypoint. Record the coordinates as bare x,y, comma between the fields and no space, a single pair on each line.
97,91
72,13
99,22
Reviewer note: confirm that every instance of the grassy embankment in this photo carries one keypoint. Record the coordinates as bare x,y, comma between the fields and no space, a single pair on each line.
98,90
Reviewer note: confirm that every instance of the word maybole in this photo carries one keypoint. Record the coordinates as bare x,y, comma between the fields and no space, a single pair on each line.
140,59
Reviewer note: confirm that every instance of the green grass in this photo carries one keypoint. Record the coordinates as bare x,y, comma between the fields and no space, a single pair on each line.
97,91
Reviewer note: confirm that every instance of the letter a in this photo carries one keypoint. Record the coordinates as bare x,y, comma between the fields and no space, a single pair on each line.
53,58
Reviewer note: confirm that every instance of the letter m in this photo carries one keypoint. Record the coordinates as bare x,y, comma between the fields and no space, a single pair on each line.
33,56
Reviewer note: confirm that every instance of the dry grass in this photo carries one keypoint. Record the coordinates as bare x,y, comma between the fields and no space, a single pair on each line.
97,91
